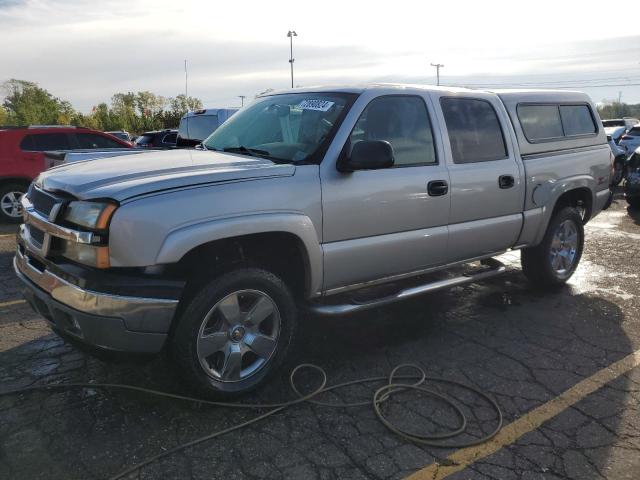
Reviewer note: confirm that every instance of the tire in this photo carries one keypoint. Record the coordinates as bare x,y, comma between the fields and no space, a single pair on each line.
618,173
546,270
10,194
220,351
634,202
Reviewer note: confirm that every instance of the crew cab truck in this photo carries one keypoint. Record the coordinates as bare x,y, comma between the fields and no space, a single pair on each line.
331,200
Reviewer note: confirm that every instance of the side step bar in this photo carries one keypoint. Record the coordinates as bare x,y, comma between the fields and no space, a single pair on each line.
496,268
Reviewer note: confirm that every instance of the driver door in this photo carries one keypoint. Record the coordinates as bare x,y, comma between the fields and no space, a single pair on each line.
391,221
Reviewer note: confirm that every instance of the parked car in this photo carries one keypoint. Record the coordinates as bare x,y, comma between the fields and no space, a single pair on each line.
630,141
619,161
626,122
307,199
197,125
615,133
21,157
632,185
157,139
122,135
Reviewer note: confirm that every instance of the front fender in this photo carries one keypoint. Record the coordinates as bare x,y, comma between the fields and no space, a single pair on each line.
182,240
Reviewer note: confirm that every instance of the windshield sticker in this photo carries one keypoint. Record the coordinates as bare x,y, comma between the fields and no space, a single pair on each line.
318,105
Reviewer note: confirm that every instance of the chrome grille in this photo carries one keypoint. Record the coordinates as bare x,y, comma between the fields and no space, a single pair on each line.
36,235
43,202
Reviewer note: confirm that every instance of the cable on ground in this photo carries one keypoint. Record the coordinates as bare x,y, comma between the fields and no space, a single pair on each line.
380,396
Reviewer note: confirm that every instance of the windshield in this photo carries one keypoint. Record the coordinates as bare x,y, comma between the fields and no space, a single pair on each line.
292,127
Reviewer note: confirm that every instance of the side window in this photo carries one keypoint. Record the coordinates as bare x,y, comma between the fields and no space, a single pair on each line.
170,138
402,121
91,140
577,120
474,130
45,141
540,122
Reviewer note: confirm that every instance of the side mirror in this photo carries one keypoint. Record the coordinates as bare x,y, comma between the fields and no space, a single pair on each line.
368,155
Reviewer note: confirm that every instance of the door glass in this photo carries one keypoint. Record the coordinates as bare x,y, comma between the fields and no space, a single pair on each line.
48,141
402,121
474,130
91,140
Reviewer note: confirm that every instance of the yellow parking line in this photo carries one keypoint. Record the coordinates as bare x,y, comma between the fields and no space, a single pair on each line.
461,459
11,302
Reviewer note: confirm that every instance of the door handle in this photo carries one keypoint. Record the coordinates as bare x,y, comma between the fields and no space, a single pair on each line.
506,181
437,188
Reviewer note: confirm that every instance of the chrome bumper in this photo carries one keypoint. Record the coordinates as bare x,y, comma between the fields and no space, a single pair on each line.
141,314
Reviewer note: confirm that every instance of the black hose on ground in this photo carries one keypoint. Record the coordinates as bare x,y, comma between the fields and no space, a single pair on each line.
381,395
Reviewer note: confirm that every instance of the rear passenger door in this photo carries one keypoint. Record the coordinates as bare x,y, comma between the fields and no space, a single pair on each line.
487,193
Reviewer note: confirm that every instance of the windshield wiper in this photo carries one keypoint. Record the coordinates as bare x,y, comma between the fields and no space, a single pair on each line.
254,152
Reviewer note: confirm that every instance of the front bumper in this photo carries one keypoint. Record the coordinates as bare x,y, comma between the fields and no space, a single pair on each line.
113,322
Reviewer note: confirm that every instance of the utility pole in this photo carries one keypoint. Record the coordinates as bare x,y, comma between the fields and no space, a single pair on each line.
438,67
291,34
186,91
242,97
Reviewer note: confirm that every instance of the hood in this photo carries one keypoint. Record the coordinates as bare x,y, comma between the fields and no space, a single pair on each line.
127,176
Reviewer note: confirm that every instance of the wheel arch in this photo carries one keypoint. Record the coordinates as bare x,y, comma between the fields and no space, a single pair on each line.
287,243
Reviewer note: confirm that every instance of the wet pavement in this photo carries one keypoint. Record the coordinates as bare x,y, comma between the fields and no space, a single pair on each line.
521,346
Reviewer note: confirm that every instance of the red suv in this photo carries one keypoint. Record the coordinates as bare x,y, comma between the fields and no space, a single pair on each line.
22,158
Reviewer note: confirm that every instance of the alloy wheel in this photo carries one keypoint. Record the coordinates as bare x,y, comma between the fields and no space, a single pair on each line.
238,335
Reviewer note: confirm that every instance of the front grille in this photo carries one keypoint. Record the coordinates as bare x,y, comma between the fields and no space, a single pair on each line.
42,202
37,235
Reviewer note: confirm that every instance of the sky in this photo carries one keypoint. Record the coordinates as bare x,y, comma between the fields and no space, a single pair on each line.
85,51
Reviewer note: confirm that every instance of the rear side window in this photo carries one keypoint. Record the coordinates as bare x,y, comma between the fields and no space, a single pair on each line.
555,122
91,140
634,132
170,138
402,121
45,141
540,122
474,130
577,120
198,127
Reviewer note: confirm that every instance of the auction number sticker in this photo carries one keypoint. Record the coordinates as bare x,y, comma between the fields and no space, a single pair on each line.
318,105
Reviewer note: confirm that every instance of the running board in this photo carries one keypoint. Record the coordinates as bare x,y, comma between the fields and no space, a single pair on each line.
496,268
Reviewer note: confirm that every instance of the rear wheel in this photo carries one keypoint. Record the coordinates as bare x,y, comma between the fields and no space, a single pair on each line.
618,172
10,206
550,264
634,202
235,332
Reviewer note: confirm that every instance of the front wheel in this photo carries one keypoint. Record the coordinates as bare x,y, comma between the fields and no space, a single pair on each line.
10,206
235,332
550,264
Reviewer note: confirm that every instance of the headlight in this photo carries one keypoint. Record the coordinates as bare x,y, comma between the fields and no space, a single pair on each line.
92,215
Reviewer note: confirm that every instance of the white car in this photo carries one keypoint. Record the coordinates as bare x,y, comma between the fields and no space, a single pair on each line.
630,141
615,133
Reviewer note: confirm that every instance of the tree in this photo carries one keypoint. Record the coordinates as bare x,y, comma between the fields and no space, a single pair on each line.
28,104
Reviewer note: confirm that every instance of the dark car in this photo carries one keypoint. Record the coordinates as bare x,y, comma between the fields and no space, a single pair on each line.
157,139
632,184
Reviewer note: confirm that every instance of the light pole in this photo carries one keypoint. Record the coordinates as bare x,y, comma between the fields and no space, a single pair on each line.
438,67
291,34
242,97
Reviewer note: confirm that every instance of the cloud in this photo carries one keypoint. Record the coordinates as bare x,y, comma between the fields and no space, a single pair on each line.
86,51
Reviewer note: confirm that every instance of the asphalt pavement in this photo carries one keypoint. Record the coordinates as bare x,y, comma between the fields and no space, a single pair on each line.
525,348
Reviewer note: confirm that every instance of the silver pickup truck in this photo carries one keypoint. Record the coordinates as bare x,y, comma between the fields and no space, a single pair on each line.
329,200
